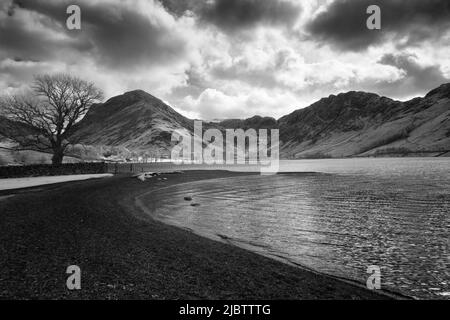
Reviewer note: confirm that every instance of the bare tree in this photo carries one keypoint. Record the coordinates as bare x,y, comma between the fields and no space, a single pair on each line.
43,119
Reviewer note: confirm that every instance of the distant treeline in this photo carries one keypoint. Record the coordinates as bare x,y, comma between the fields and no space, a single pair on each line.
51,170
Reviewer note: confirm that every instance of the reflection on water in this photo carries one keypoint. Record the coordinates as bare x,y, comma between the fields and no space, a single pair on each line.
393,213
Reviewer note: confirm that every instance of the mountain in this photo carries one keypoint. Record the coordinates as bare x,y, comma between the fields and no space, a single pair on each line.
256,122
365,124
134,120
9,127
345,125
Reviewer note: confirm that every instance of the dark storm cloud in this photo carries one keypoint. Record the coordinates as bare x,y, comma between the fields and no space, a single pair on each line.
233,15
236,14
344,22
18,41
179,7
418,78
113,34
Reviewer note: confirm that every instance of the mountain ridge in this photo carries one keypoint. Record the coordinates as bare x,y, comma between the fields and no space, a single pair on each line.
349,124
353,123
135,120
365,124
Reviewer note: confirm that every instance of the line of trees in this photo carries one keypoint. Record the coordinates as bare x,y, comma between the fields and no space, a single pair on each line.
43,118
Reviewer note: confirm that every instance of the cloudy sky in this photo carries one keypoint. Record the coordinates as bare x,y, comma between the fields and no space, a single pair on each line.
217,59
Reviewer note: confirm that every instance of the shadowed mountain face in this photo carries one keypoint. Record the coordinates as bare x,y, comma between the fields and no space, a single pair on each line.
256,122
365,124
135,120
349,124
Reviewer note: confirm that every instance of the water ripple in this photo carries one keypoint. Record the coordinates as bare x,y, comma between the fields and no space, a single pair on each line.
333,223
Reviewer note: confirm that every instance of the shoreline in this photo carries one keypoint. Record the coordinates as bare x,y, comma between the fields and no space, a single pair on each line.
95,224
31,182
229,241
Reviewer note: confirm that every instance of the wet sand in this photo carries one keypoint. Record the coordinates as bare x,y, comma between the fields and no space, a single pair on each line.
124,254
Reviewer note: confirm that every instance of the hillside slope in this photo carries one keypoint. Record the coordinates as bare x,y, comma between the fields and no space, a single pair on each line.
255,122
346,125
365,124
135,120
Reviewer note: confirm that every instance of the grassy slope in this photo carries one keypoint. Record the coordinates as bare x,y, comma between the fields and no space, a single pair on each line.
11,157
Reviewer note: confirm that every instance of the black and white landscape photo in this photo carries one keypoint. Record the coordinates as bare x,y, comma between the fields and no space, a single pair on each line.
235,150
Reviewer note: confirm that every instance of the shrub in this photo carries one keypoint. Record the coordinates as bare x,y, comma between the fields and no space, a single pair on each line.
3,161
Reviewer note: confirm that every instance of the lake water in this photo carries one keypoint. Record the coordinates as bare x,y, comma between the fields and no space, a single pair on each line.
348,215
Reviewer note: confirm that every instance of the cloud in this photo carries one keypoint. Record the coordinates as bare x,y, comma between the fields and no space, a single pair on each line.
24,36
122,45
193,54
16,74
283,66
239,14
214,104
236,15
120,34
417,79
179,8
343,22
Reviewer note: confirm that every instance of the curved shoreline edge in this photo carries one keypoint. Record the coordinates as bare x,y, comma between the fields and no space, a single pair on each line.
226,240
126,254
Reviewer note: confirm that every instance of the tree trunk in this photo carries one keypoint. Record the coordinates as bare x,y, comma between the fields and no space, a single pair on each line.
57,158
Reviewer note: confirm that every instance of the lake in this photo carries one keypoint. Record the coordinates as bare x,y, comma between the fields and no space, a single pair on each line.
335,216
